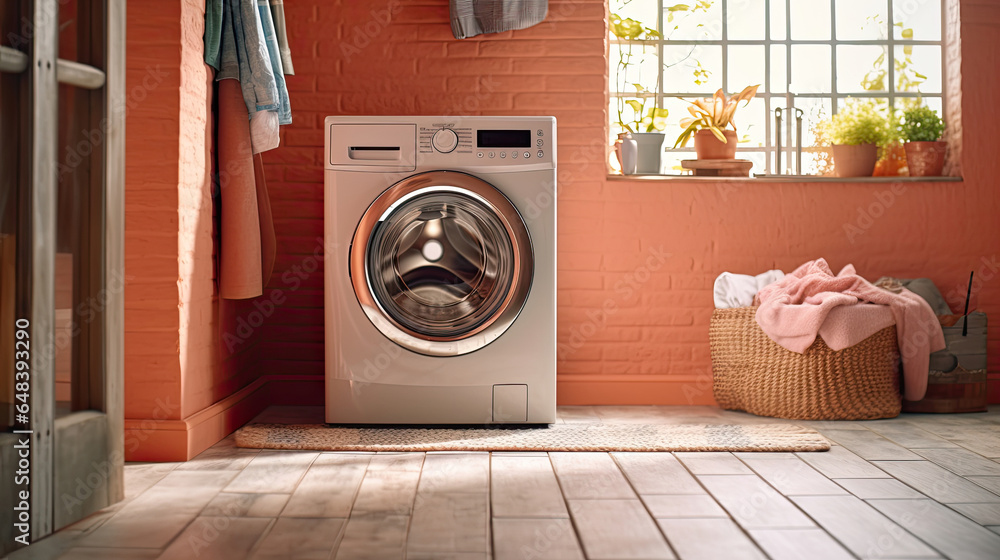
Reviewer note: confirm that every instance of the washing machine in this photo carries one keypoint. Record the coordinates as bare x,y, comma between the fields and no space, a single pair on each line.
440,270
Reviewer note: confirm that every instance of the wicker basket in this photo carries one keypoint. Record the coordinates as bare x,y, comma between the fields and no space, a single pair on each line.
752,373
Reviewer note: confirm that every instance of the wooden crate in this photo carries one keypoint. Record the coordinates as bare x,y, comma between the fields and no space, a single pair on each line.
957,380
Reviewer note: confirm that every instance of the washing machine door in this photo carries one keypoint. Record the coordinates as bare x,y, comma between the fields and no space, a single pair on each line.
441,263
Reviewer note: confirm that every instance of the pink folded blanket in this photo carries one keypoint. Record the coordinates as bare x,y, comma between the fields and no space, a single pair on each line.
796,308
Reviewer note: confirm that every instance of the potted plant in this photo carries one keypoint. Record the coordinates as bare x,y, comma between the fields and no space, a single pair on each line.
921,128
856,133
708,123
643,124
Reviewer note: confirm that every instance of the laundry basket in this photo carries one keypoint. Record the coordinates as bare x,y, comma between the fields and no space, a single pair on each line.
753,373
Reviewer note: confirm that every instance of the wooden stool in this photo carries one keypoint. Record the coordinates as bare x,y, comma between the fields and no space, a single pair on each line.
718,167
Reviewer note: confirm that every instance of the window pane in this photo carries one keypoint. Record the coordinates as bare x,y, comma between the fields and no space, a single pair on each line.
862,19
932,102
641,67
79,198
749,122
810,69
817,161
811,20
779,69
757,158
923,17
692,68
694,23
861,68
622,111
671,161
779,21
746,20
746,67
814,110
639,10
918,68
677,109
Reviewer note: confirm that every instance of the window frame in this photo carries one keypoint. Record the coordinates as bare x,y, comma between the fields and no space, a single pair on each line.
787,150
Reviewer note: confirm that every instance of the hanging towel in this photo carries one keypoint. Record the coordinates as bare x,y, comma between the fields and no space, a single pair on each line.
240,268
278,18
213,32
263,131
273,53
242,42
260,91
475,17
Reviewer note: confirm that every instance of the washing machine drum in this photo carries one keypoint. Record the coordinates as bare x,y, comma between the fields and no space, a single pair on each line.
441,263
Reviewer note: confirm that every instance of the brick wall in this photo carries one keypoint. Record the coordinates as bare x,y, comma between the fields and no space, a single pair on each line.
176,365
651,250
152,370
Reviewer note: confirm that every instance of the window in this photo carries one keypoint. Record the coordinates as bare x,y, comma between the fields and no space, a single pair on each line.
806,54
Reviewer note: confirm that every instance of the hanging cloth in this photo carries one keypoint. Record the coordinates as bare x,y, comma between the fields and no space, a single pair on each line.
475,17
278,18
240,261
241,43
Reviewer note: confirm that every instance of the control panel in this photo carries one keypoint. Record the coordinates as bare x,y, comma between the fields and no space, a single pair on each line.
494,143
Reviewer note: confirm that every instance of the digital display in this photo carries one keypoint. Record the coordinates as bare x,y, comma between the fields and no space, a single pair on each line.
503,138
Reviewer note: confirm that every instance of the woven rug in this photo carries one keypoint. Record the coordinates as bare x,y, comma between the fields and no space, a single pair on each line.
557,437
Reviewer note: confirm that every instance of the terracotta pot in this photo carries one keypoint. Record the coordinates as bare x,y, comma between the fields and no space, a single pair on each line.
650,145
925,159
892,163
707,146
854,160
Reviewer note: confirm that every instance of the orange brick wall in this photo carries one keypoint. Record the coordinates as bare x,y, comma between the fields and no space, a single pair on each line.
152,152
399,57
177,369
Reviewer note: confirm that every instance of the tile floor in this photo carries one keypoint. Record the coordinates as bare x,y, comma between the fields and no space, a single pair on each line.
917,486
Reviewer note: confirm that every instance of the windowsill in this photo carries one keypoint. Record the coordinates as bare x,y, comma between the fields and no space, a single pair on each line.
785,179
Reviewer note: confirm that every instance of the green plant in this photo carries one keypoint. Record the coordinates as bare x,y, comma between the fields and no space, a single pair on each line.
921,124
714,113
636,42
860,122
908,78
633,33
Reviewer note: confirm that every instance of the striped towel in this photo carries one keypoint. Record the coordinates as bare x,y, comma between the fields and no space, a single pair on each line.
475,17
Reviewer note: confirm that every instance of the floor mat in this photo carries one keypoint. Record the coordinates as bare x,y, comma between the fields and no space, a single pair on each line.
557,437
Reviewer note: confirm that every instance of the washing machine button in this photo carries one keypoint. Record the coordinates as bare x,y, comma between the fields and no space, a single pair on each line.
493,155
527,155
479,155
540,133
445,140
514,154
539,142
540,153
503,155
